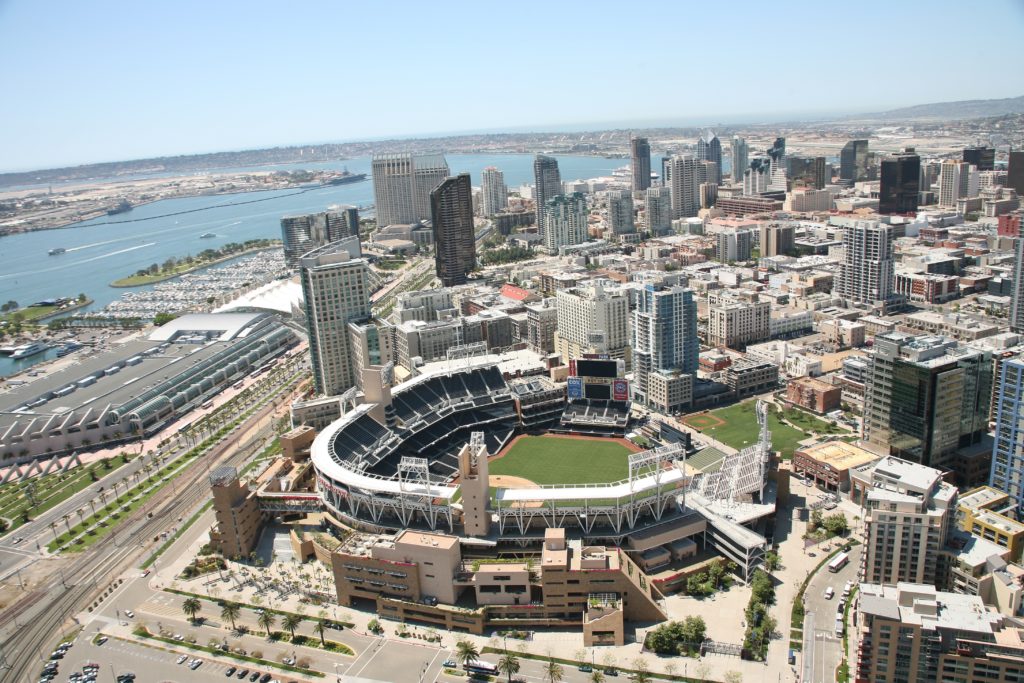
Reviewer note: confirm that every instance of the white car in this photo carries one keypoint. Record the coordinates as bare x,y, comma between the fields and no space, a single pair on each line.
130,614
182,659
829,593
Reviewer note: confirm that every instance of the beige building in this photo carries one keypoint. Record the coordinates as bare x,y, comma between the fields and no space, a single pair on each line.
237,515
735,323
914,633
593,319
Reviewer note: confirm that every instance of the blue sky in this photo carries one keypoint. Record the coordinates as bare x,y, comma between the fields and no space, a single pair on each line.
103,80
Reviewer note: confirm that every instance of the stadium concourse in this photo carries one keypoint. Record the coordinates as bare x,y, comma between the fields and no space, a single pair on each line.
395,462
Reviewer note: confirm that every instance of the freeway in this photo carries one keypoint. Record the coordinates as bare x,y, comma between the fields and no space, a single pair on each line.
32,622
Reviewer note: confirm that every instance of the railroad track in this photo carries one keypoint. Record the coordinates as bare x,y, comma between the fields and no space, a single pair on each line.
40,614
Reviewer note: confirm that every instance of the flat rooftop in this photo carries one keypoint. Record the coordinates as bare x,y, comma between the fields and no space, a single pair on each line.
839,455
982,497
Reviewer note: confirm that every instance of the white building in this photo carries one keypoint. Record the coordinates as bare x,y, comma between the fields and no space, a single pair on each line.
402,184
620,212
565,221
592,319
493,192
685,177
658,210
957,180
335,292
867,271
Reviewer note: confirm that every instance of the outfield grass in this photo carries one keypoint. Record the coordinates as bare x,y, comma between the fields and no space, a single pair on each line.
740,429
557,460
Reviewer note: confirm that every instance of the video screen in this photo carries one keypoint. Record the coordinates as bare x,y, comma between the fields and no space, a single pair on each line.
597,368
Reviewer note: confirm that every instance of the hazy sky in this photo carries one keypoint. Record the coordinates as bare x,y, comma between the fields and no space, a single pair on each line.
97,81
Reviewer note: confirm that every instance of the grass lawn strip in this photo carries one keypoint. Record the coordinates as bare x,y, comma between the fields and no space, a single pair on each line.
554,460
177,534
144,633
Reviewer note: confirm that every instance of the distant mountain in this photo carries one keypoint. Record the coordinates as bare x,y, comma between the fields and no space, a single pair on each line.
964,109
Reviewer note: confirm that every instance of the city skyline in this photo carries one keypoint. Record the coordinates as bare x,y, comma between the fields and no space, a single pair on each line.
214,81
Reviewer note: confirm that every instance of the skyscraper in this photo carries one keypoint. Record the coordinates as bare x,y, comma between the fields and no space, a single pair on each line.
1015,172
665,347
402,184
451,209
494,193
709,148
867,271
853,161
734,245
957,180
983,158
777,239
808,172
1008,447
593,318
658,210
565,221
1017,300
305,232
547,184
740,154
620,212
686,175
926,397
335,292
640,163
900,178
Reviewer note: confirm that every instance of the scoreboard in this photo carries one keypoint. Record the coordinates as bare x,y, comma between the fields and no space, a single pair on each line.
597,377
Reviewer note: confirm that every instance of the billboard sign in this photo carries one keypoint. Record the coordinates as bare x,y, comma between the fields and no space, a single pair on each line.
620,390
575,385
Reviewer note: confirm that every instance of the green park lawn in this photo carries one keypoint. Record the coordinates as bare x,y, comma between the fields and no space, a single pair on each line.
558,460
740,428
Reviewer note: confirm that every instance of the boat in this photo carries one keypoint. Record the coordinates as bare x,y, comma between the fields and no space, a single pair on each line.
56,251
207,235
123,207
26,350
344,178
69,347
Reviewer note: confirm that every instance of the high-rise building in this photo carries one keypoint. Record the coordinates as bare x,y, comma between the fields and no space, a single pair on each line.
777,152
665,347
541,323
734,245
593,317
306,232
899,184
565,221
853,161
620,212
909,511
867,271
1017,299
1015,172
1007,473
666,171
709,148
808,172
982,158
402,183
914,633
740,155
658,210
547,185
640,163
335,292
777,239
493,192
687,174
957,180
451,209
925,398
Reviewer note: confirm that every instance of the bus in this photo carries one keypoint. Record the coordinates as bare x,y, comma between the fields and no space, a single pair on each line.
838,562
480,668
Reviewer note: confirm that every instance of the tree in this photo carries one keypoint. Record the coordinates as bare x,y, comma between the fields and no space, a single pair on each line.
82,297
267,621
466,652
715,571
508,665
693,631
816,520
191,607
836,524
596,676
553,672
163,318
772,561
290,621
733,677
318,628
643,673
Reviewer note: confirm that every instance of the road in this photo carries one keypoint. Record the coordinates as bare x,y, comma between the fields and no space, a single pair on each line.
823,650
33,622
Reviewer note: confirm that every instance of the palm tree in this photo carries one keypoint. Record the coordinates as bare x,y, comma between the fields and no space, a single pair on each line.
553,672
53,528
191,607
290,621
508,665
466,652
92,504
267,621
596,676
230,611
318,628
67,523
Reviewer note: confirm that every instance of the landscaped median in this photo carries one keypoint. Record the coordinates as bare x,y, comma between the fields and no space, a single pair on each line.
177,534
796,626
143,632
642,671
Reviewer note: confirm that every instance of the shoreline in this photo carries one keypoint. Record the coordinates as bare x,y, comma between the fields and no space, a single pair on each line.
164,278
